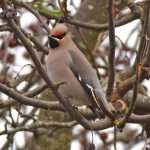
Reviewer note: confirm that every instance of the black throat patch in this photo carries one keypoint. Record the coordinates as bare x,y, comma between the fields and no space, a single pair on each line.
53,43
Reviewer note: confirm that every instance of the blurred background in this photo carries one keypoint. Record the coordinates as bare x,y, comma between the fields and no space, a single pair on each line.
18,72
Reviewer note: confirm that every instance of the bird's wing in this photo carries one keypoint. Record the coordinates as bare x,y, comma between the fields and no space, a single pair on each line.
87,77
87,87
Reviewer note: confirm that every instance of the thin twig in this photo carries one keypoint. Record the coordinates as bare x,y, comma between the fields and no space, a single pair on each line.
143,34
112,45
37,44
39,125
63,7
25,120
33,11
22,69
89,52
115,138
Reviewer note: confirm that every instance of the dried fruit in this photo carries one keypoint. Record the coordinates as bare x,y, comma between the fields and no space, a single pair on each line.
12,42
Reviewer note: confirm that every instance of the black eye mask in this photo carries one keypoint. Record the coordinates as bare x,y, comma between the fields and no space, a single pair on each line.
59,36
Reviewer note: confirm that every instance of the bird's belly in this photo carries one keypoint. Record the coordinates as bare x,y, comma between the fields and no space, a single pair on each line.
72,89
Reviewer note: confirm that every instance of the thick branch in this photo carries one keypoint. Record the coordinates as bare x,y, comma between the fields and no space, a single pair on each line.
142,102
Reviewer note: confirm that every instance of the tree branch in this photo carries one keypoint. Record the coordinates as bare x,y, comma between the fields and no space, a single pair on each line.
37,125
112,45
5,28
135,14
33,11
135,92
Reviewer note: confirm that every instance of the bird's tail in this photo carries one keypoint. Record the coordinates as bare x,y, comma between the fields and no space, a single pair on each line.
105,108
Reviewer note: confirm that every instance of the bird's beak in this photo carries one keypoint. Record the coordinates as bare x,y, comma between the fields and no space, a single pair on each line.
53,42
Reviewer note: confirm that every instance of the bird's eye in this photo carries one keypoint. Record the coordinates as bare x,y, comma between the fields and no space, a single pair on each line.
59,36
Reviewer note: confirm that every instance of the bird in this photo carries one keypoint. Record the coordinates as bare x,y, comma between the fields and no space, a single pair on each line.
66,63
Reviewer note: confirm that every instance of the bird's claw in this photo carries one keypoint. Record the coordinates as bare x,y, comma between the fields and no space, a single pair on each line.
61,83
116,122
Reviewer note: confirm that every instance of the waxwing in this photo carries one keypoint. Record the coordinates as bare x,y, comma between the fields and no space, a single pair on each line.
67,63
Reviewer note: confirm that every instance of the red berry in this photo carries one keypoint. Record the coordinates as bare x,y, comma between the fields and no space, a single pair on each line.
103,135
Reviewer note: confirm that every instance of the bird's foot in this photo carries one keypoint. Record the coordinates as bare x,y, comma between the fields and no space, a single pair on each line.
61,83
99,114
116,122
